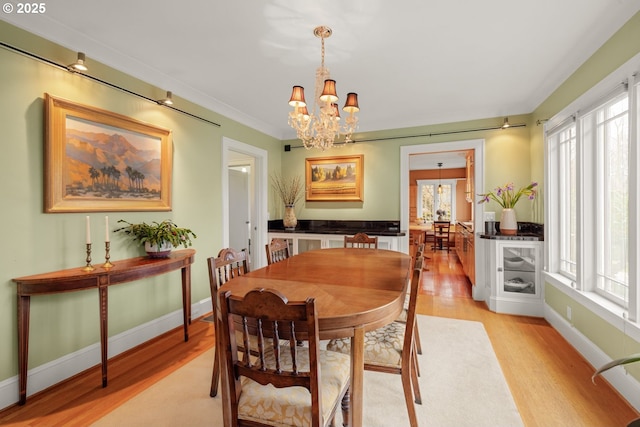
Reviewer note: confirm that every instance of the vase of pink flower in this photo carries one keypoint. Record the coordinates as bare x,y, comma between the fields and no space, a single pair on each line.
507,197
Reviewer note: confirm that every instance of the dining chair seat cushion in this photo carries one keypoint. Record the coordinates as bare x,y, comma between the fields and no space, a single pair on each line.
382,347
292,406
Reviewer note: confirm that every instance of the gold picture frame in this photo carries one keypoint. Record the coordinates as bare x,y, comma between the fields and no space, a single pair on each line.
338,178
98,161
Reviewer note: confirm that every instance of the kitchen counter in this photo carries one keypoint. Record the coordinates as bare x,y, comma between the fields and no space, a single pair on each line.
372,228
526,231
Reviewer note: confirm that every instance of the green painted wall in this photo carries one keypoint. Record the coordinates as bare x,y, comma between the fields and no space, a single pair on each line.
507,148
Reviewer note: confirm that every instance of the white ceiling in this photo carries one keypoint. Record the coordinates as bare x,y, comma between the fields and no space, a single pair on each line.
412,62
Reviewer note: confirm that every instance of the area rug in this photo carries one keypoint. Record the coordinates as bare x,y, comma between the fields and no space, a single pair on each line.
461,384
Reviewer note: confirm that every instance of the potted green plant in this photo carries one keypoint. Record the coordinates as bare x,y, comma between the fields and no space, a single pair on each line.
633,358
159,238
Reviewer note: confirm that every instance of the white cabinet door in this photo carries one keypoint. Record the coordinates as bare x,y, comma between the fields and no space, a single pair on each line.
514,272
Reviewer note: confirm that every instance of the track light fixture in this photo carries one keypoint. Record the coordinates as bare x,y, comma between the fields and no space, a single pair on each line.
168,100
506,123
79,64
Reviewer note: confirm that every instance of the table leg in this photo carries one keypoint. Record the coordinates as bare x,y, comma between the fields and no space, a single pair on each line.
24,303
224,379
186,300
357,376
104,332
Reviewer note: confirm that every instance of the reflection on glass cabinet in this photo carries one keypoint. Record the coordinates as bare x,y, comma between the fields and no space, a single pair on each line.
519,269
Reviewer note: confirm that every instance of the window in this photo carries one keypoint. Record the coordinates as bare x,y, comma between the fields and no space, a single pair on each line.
565,140
589,232
432,205
606,129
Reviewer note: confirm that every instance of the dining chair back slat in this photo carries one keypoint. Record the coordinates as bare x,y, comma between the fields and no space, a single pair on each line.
227,265
277,250
361,240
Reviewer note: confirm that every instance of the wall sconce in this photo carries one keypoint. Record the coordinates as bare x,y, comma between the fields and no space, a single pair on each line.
506,123
168,100
79,64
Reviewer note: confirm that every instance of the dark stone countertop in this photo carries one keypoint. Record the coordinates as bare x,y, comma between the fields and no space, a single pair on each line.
526,231
372,228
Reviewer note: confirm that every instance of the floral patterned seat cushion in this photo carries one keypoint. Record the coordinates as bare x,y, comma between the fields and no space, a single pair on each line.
292,406
382,346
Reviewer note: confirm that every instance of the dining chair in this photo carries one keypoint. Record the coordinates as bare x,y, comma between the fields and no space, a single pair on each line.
228,264
285,385
361,240
277,250
442,236
391,348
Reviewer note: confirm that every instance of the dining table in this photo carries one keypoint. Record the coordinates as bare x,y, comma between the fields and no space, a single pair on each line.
355,290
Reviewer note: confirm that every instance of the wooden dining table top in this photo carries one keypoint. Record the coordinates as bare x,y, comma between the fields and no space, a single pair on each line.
351,286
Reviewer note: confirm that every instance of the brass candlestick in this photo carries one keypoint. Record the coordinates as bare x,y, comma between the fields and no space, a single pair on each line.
88,267
107,247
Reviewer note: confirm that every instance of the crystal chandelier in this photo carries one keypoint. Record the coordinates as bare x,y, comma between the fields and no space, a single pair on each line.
321,128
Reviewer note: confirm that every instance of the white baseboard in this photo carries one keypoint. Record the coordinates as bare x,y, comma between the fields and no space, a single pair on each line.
48,374
624,383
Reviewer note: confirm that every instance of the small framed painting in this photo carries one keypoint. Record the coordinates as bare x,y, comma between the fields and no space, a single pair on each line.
335,178
97,161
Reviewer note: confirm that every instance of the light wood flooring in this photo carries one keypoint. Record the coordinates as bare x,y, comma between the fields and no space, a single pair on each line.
549,380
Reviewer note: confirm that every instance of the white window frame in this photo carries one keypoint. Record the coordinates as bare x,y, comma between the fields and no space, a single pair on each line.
435,182
582,287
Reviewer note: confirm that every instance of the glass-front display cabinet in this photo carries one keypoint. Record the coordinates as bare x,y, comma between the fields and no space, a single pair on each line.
515,277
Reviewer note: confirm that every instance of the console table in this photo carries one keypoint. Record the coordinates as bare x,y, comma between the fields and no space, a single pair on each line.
76,279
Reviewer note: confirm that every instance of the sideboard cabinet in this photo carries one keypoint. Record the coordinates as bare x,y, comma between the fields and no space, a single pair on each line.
302,242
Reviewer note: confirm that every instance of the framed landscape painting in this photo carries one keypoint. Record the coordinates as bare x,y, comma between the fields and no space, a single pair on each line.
335,178
97,161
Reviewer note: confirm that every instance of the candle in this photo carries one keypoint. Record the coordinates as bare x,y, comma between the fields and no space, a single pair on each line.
88,232
106,229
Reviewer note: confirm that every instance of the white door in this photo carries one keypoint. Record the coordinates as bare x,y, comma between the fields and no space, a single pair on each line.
235,153
239,209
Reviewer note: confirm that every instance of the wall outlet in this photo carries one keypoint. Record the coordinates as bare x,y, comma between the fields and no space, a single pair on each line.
568,312
489,216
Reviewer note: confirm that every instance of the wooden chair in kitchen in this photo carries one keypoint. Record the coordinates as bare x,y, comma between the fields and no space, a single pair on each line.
392,348
285,385
442,235
228,264
361,240
277,250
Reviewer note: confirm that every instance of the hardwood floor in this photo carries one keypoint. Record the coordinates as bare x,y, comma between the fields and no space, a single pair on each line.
549,380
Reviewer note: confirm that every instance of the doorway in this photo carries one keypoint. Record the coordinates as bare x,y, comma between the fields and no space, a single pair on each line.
244,199
477,146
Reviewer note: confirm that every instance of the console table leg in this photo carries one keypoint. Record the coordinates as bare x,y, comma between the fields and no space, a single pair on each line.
186,300
24,303
104,332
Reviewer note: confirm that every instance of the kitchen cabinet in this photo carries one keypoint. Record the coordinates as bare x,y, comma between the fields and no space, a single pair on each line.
465,249
514,270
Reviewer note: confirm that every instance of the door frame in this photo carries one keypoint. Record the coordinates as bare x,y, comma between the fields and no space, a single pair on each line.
259,180
479,290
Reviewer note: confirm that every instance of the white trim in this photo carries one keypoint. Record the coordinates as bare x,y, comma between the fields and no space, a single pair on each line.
51,373
625,384
260,181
